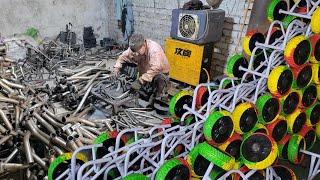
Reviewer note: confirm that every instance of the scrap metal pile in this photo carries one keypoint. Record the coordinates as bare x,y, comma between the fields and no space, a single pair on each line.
56,100
266,109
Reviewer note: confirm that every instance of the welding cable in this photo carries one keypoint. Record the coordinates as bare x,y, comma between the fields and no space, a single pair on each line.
136,176
274,8
315,43
256,175
198,163
313,114
278,129
62,163
250,40
218,127
268,108
296,144
309,96
316,73
233,66
290,102
284,172
280,81
176,168
216,156
177,102
302,76
232,146
288,20
297,51
309,135
283,147
258,151
315,19
296,120
244,117
258,128
108,139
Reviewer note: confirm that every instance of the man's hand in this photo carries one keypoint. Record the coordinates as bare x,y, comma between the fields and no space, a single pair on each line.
136,85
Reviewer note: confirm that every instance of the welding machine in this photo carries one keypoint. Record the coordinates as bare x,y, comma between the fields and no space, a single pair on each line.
188,62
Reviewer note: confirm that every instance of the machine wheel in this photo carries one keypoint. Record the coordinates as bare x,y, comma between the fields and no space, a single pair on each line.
303,76
233,65
268,108
278,129
273,10
108,139
296,120
315,42
136,176
174,169
309,135
258,151
309,96
313,115
218,127
283,147
249,42
245,117
216,156
62,162
280,81
315,19
296,143
287,21
298,51
290,102
177,102
232,146
198,163
284,172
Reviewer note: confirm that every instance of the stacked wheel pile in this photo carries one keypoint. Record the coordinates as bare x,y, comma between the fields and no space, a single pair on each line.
282,121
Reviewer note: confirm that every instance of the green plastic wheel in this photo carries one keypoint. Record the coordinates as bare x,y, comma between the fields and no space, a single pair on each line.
174,169
198,163
233,65
313,114
136,176
273,10
177,102
268,108
296,144
216,156
218,127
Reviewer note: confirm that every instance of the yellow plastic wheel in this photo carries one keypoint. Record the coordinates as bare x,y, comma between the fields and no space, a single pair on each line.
245,117
298,51
316,73
280,81
296,120
232,146
315,19
249,42
259,151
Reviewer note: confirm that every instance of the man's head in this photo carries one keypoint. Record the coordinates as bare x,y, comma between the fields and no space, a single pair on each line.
137,44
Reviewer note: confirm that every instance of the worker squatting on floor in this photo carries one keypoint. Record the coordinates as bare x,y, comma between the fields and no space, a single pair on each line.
152,64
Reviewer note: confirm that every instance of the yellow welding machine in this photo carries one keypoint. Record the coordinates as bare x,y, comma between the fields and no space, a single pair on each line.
188,61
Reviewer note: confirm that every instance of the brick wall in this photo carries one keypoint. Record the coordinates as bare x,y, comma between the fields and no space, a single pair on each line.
153,19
